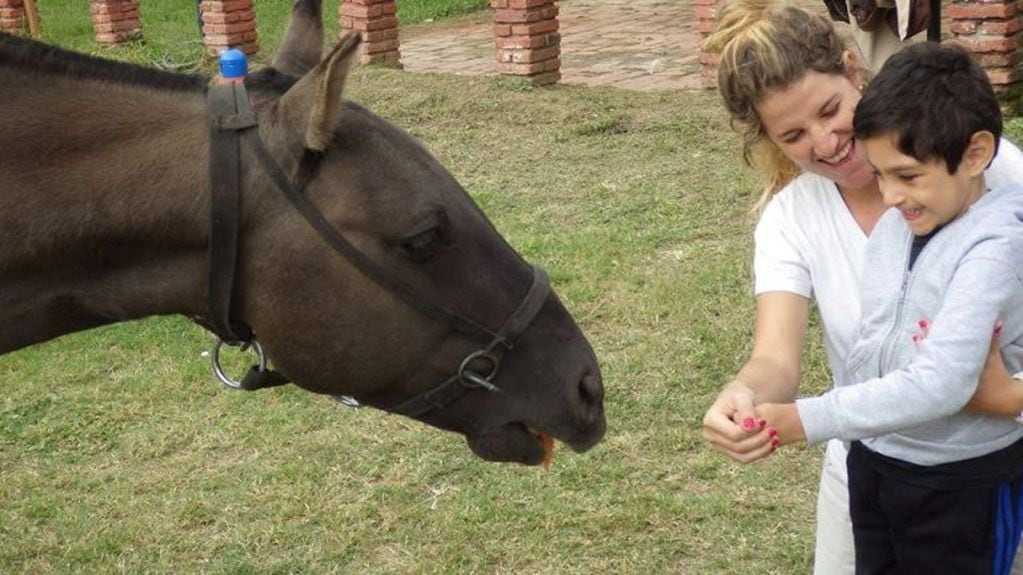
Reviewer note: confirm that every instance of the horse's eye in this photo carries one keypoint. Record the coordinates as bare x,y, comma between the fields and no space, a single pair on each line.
424,245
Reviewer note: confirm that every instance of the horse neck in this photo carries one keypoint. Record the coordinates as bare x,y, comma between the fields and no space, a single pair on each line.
102,216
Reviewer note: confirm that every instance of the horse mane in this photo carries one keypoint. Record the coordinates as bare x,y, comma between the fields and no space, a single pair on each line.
38,57
270,80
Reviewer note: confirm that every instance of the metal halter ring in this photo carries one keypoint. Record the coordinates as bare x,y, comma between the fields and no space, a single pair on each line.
348,401
472,379
219,370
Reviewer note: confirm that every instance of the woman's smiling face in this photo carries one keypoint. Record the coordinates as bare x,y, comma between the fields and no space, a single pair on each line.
811,122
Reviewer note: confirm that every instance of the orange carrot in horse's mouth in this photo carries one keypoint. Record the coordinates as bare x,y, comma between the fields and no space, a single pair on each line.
548,449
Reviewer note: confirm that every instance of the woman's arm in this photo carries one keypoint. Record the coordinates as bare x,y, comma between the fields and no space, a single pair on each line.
775,365
998,393
770,375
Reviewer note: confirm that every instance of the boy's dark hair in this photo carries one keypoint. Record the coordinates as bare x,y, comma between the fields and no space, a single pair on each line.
933,97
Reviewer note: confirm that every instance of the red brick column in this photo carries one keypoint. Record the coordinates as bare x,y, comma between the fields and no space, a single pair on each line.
527,39
229,24
706,13
376,22
13,19
115,21
990,29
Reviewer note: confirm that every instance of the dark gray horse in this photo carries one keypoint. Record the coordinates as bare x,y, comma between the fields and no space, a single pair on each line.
105,217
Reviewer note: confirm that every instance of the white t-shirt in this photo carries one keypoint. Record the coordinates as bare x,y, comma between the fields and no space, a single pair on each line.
808,243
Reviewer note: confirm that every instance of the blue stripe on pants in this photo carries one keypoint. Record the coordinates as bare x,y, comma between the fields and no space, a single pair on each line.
1008,526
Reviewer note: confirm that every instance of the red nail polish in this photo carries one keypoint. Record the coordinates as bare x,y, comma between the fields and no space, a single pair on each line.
763,423
998,328
922,323
772,432
748,423
775,442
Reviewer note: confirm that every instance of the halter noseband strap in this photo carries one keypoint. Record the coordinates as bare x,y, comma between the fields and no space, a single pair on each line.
232,119
467,378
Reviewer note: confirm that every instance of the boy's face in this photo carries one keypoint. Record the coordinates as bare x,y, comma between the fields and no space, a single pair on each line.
926,194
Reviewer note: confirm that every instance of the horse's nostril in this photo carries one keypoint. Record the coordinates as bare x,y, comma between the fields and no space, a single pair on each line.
591,390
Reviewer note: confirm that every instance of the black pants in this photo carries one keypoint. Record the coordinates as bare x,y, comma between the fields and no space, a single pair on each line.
961,518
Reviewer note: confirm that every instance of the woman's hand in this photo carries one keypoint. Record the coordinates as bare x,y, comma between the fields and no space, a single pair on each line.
997,393
731,425
772,373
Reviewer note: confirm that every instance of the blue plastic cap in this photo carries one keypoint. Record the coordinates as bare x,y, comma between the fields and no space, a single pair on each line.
233,63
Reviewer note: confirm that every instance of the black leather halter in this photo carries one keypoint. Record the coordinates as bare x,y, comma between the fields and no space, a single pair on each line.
232,120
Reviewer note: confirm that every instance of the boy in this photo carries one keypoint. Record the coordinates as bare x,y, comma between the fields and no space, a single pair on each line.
932,490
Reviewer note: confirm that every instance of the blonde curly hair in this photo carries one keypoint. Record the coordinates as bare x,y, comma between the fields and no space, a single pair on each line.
764,45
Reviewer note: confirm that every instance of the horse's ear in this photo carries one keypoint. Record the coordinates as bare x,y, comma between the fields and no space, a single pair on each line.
303,41
326,110
311,109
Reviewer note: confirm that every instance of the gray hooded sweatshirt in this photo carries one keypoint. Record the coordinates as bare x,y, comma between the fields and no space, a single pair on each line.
909,399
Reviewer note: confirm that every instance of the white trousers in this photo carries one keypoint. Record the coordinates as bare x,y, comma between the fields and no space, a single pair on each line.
834,554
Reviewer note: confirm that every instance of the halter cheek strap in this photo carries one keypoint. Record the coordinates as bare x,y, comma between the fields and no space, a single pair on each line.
230,113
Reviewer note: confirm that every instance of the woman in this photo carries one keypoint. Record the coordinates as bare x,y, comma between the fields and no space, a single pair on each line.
789,82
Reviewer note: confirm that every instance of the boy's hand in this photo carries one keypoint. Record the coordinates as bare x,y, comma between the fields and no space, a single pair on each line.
783,422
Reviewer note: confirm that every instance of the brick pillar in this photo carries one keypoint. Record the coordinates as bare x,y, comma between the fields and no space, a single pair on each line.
115,21
990,29
13,19
229,24
706,13
527,39
376,22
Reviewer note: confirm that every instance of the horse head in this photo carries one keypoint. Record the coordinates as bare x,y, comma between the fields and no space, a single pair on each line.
356,259
442,288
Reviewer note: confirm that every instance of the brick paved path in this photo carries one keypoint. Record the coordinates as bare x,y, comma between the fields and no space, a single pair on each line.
631,44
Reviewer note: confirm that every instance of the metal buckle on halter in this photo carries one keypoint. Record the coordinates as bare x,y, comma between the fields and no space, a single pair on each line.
243,346
471,378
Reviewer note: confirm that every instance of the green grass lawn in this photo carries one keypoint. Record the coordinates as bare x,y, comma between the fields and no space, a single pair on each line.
416,11
171,37
120,453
